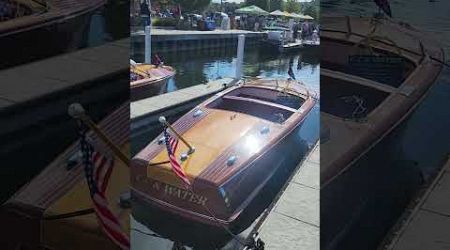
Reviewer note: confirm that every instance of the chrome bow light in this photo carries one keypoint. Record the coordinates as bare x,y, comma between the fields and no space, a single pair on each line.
183,156
231,160
198,113
264,130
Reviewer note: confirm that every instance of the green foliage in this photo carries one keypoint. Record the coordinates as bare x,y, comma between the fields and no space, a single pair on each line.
263,4
312,9
192,5
165,22
276,5
292,6
186,5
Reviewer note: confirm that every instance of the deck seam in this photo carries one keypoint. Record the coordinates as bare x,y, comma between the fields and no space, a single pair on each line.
297,219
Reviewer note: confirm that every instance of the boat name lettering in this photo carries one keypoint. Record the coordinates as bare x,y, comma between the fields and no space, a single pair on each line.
179,193
184,195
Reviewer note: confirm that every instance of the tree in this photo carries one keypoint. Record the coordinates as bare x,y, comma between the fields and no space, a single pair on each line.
192,5
312,9
276,5
263,4
292,6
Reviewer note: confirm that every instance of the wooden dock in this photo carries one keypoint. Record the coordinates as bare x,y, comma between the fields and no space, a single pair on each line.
427,225
30,82
292,221
34,98
184,40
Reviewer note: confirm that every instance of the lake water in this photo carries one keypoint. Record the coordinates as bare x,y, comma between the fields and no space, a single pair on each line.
383,181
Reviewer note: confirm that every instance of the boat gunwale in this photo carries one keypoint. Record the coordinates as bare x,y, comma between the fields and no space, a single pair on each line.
44,18
412,56
353,150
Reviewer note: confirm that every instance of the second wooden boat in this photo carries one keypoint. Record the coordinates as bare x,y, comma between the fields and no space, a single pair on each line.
50,26
148,79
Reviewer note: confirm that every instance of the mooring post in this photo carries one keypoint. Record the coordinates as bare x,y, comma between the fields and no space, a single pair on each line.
148,45
240,57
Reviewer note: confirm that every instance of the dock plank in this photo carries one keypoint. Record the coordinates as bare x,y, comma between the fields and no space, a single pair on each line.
151,105
428,225
27,82
294,223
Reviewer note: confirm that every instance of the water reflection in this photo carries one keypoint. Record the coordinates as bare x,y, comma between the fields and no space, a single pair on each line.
199,67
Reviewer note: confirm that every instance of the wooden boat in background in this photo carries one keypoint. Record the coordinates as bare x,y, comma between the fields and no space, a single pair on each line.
241,136
43,28
362,105
52,210
148,79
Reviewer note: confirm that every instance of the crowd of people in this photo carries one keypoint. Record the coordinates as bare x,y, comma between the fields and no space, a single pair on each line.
302,29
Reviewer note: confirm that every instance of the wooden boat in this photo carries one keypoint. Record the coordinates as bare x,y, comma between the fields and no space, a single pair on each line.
362,103
241,136
148,79
53,210
51,26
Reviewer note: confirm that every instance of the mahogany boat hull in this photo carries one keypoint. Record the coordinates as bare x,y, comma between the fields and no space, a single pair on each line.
271,171
148,87
44,35
222,196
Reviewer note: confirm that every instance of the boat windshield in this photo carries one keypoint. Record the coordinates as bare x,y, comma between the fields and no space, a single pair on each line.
269,95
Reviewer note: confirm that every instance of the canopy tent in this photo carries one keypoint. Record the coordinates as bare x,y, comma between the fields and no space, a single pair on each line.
277,13
252,10
295,15
307,17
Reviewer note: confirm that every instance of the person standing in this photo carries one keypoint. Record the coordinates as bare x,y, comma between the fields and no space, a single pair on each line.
145,12
295,31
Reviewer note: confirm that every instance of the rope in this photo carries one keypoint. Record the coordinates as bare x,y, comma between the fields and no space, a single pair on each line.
149,234
70,214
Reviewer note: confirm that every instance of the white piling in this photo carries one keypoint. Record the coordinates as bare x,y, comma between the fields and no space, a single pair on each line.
148,45
240,56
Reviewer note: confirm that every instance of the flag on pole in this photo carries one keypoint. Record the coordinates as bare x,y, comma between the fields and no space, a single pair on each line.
171,145
98,169
384,5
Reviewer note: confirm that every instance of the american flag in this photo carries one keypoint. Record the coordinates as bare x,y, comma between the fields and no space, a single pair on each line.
171,145
384,5
98,169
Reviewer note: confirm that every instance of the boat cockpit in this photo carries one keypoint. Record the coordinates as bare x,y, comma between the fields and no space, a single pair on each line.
355,80
265,103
